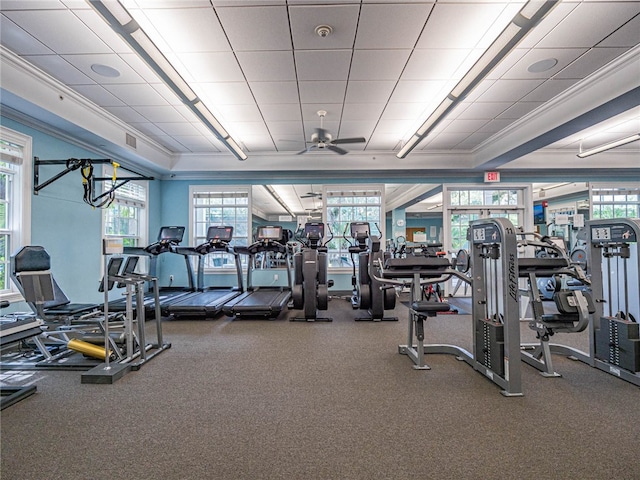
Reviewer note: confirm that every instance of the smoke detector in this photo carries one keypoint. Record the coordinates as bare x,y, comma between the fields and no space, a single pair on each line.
324,30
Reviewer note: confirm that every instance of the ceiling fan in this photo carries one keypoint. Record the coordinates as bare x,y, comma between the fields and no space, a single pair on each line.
322,139
312,195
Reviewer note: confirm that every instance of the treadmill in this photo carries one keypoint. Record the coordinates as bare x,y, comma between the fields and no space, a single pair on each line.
169,239
207,302
262,301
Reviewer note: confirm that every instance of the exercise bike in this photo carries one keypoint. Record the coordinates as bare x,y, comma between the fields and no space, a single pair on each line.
311,288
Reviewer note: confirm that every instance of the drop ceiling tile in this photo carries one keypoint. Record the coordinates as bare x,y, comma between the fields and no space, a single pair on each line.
383,141
195,143
267,66
420,91
18,40
98,95
248,129
256,28
359,128
509,90
453,26
141,67
60,69
85,62
178,128
32,5
102,29
343,19
167,3
233,3
259,143
224,93
127,114
369,92
167,94
590,23
161,114
147,128
170,143
286,129
473,140
310,113
319,92
240,113
519,110
548,23
548,90
395,127
136,95
378,64
59,30
432,64
212,67
322,65
563,57
591,61
203,35
391,26
626,36
465,126
269,93
362,111
495,125
404,111
311,126
288,112
482,110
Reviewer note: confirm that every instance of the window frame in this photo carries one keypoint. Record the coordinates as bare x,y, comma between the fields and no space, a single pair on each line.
20,203
226,266
143,220
345,190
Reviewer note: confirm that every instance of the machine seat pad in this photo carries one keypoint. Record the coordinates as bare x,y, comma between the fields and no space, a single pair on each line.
570,318
533,264
428,307
417,262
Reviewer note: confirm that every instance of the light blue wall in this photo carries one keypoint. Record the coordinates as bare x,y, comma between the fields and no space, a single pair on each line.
69,229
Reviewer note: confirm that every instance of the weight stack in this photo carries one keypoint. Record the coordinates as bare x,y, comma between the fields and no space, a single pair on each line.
490,345
618,343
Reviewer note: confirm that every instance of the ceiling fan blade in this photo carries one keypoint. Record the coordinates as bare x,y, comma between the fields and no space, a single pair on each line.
337,149
349,140
302,151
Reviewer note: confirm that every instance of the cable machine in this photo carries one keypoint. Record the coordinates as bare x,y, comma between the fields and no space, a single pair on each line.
615,259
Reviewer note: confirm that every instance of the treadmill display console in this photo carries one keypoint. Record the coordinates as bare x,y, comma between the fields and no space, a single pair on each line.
171,234
269,233
359,230
223,234
314,230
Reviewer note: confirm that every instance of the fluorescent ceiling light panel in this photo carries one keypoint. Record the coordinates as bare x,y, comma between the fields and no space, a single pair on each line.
524,21
609,146
115,14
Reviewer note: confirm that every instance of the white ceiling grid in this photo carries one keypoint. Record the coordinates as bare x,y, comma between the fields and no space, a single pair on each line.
263,71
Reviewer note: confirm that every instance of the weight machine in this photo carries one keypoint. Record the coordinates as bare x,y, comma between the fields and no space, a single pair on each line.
614,258
574,306
494,280
311,287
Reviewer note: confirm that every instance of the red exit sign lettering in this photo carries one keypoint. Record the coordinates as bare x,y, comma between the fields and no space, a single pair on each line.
491,176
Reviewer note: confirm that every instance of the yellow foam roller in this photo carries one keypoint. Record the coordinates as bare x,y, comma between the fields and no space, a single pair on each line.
86,348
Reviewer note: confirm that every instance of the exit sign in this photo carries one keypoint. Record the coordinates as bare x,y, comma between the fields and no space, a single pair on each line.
491,176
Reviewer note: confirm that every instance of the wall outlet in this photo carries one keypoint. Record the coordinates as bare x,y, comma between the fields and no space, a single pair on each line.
171,278
275,276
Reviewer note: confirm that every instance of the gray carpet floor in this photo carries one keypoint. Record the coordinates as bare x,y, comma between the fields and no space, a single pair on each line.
288,400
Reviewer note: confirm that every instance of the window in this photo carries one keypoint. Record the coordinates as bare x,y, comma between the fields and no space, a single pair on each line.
348,204
222,206
15,203
622,202
126,217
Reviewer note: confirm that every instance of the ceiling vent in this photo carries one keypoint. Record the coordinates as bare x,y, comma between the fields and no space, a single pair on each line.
131,140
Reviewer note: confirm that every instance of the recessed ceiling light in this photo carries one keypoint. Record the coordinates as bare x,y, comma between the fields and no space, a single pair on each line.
105,70
543,65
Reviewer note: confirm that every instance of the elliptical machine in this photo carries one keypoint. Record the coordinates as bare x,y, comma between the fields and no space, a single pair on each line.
368,292
311,287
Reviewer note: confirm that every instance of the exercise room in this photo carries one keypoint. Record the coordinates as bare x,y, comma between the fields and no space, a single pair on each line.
304,239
